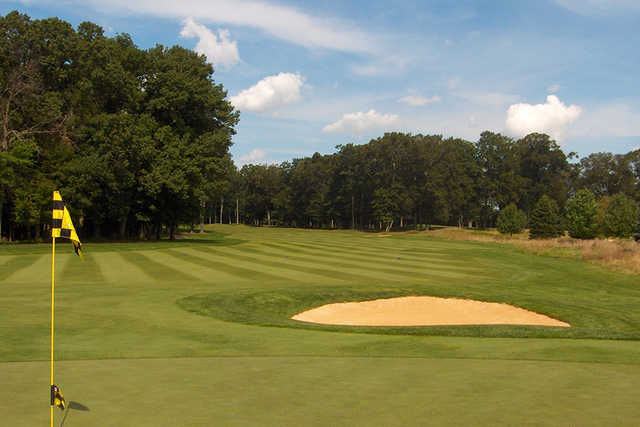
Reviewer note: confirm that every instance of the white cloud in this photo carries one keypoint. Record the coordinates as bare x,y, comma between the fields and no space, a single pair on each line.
269,93
358,123
418,100
256,156
551,118
554,88
282,22
220,50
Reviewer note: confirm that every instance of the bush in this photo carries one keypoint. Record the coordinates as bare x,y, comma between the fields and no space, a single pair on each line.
511,220
582,217
545,221
620,217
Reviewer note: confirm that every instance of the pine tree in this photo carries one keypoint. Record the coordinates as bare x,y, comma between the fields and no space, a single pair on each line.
620,217
582,218
511,220
545,221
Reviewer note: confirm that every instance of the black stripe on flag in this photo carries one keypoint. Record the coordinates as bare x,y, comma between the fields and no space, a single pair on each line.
65,232
58,205
56,222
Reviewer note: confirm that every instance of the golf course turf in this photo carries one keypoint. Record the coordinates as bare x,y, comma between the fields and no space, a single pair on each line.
198,332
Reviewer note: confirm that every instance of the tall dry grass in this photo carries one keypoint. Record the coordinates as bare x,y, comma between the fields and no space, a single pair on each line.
616,254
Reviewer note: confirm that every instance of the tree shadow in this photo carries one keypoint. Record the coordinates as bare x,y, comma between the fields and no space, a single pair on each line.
76,406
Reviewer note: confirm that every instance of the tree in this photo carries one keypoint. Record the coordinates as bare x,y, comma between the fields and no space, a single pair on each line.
544,168
511,220
621,216
500,182
545,221
582,217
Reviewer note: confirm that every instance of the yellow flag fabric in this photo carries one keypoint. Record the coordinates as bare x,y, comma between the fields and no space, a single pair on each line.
62,226
57,399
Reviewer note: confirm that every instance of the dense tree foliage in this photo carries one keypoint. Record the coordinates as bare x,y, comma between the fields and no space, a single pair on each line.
136,140
138,143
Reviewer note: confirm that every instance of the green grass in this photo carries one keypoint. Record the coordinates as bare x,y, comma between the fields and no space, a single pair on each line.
197,332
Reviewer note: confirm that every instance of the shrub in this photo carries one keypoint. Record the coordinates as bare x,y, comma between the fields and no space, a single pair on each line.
511,220
620,217
545,221
582,217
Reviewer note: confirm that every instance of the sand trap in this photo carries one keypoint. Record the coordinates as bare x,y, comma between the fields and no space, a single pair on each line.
423,311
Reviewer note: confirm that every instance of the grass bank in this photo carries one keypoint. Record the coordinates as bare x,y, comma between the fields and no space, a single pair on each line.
622,255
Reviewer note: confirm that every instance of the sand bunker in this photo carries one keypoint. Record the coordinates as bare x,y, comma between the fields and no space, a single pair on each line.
424,311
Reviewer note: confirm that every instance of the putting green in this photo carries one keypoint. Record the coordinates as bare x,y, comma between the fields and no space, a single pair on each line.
341,391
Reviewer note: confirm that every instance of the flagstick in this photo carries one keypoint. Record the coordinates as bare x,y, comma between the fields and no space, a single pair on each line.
53,271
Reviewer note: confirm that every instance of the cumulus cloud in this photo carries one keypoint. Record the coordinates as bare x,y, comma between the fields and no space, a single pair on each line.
219,50
418,100
255,156
358,123
551,118
269,93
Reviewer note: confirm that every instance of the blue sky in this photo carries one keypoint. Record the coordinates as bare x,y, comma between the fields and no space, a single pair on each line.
307,76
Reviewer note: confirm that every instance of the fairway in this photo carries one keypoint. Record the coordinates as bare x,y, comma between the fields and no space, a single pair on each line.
198,332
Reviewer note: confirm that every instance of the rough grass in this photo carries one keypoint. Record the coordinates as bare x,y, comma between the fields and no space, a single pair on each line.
622,255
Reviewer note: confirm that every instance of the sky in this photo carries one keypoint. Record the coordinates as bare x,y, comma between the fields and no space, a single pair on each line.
307,76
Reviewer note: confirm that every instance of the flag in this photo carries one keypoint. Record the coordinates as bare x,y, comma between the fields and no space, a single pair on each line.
57,399
62,226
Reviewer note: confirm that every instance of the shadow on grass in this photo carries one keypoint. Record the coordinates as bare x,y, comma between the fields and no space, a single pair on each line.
76,406
208,238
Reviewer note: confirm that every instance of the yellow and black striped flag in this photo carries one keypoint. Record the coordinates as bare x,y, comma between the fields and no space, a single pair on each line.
62,225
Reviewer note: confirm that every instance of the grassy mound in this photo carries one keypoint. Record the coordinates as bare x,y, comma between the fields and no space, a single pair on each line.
276,307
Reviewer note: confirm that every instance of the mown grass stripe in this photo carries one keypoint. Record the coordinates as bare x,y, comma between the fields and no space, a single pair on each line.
271,262
157,270
227,268
342,266
83,270
6,267
116,269
339,261
382,252
333,262
398,262
19,269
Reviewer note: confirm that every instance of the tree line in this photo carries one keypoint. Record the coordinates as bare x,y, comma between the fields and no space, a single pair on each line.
138,143
410,181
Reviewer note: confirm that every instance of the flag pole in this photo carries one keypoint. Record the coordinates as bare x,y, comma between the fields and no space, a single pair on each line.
53,271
